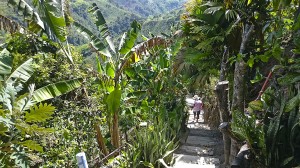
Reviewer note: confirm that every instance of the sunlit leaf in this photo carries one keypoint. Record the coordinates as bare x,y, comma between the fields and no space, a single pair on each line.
113,101
110,71
39,113
33,145
56,89
130,38
5,62
23,72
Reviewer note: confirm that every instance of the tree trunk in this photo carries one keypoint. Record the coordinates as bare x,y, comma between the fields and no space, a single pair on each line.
100,140
115,131
239,85
222,96
221,92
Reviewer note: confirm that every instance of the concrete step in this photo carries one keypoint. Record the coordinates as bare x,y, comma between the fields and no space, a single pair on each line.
200,141
204,132
183,159
192,150
187,165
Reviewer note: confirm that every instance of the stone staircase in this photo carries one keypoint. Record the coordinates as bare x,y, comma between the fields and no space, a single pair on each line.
202,148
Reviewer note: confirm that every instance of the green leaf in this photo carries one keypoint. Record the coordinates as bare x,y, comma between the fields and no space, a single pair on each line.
5,62
130,38
256,105
56,89
23,72
39,113
33,145
212,10
99,67
7,122
33,129
102,26
27,11
292,103
54,20
287,161
258,76
288,79
95,41
113,101
130,72
110,71
249,2
250,62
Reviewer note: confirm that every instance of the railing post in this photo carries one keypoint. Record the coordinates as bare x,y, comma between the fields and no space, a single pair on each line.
81,160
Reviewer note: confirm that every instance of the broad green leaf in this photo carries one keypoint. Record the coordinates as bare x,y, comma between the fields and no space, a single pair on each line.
256,105
5,62
56,89
24,102
33,145
27,11
23,72
130,38
95,41
110,71
113,101
54,20
102,26
292,103
39,113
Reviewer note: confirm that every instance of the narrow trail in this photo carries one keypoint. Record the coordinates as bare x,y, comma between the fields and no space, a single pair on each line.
201,148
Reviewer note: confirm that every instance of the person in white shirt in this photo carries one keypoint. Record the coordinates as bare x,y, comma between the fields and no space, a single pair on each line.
197,107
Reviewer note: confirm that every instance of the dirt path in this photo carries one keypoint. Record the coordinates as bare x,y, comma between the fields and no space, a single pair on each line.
201,148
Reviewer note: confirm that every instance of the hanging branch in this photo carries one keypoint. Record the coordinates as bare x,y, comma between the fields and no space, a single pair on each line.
264,86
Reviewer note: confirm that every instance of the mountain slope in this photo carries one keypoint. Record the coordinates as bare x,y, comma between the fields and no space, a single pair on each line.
147,8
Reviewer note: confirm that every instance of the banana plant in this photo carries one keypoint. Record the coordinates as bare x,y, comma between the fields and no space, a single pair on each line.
113,62
20,114
51,19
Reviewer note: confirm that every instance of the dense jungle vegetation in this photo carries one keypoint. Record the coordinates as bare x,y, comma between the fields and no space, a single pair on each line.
86,76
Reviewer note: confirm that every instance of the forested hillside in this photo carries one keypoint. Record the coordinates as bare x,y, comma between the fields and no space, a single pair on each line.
119,14
149,7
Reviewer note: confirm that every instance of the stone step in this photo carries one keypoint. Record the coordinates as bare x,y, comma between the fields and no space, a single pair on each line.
200,141
181,159
192,150
187,165
204,132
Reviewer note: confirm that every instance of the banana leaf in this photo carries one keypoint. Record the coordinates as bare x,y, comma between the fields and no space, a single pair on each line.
56,89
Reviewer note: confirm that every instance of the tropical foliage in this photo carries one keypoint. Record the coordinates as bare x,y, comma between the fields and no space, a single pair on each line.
125,106
250,35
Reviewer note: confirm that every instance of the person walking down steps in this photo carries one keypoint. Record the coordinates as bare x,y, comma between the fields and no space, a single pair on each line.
197,107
